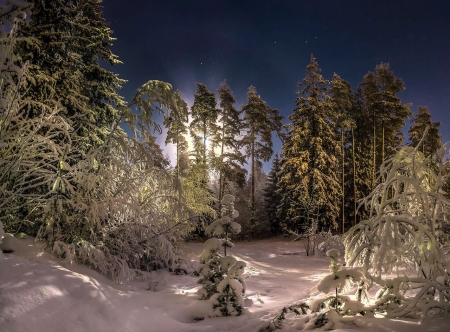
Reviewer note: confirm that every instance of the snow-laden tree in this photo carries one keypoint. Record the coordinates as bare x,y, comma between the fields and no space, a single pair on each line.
221,278
404,235
309,157
132,214
65,43
229,299
111,206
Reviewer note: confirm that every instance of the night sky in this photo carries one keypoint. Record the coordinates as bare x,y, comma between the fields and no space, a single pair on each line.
268,44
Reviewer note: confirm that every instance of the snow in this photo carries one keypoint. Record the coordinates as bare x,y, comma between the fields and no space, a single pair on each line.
227,199
333,253
2,233
9,243
40,294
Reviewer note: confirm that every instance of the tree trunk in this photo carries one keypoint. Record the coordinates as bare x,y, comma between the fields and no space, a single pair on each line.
374,154
354,177
382,141
252,219
343,179
221,169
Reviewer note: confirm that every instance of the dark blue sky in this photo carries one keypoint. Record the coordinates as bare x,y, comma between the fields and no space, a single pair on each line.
268,44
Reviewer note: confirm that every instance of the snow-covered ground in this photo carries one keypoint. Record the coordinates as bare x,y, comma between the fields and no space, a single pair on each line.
38,293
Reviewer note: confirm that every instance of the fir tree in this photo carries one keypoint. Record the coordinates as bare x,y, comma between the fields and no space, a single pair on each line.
259,121
432,141
309,156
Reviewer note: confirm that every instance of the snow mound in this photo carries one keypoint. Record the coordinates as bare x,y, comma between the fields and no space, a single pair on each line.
9,243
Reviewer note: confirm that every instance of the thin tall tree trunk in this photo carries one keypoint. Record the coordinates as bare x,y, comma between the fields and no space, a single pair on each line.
374,153
178,169
221,170
382,141
354,177
342,185
252,220
178,158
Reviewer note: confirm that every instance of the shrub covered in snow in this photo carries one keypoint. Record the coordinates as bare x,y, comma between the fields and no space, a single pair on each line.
405,231
109,206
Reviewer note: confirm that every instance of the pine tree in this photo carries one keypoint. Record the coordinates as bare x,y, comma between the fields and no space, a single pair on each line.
64,43
387,113
432,141
175,121
259,121
341,94
230,161
309,155
361,158
203,126
273,196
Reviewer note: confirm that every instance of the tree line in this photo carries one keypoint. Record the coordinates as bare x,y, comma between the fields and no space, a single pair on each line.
81,170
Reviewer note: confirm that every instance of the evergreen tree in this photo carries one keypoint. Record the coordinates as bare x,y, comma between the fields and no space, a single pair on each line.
361,156
154,150
175,121
432,141
387,113
203,126
309,156
64,43
273,196
259,121
341,94
230,161
225,291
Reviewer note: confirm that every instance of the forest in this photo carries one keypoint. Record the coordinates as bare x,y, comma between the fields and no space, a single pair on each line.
81,172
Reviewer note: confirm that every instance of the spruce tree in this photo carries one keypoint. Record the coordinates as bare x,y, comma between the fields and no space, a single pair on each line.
64,44
230,161
432,141
309,155
221,278
273,196
259,121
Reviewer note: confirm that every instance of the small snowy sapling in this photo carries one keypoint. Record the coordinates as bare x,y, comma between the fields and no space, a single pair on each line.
222,275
